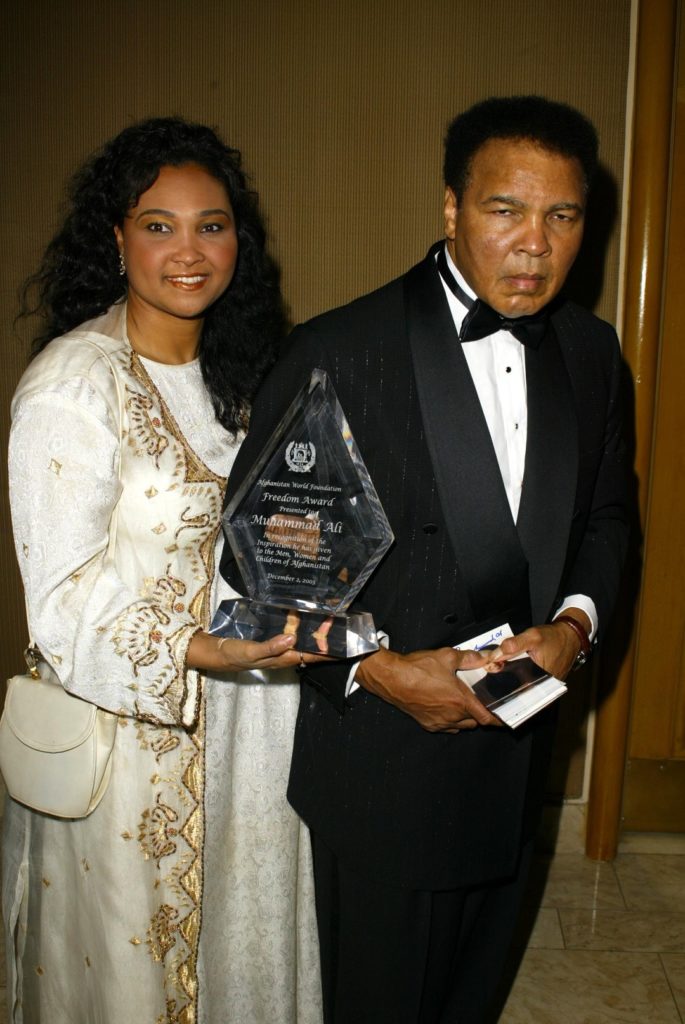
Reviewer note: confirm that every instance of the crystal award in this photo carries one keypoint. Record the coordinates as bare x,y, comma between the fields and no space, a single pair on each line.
307,530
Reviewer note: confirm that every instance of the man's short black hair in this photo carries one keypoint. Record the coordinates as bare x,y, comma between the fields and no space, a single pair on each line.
550,125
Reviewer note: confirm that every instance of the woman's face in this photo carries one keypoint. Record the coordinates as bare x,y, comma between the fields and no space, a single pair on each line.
179,243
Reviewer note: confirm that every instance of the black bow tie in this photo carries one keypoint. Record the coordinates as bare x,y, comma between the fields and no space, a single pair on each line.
482,320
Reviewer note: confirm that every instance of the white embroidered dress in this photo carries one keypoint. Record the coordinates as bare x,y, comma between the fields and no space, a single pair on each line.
187,895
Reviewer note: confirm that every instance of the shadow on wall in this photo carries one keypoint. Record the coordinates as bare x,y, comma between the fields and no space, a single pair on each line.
584,286
586,279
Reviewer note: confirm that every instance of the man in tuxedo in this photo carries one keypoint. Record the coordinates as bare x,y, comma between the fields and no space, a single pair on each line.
487,411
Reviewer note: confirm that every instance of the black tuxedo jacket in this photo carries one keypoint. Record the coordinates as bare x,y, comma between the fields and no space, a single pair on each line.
436,810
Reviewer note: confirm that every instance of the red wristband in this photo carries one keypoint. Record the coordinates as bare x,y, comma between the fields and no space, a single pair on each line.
583,638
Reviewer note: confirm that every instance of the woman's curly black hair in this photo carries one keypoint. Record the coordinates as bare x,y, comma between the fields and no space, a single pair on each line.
79,274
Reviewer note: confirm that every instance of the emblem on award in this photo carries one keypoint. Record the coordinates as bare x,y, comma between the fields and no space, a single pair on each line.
307,530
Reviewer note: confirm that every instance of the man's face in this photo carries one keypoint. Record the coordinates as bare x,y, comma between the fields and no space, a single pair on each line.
519,225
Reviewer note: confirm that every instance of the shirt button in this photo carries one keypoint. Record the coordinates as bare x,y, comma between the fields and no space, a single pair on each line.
430,528
450,619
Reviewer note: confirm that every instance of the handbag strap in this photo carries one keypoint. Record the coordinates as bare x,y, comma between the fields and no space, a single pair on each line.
32,653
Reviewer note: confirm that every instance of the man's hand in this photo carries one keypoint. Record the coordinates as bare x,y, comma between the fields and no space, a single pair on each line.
424,685
554,647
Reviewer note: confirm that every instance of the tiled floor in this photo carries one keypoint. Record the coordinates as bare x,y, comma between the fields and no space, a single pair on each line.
608,941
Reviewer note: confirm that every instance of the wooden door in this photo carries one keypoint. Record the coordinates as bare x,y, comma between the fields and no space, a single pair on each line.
654,793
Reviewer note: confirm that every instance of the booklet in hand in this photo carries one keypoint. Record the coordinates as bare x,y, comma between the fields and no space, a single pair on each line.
519,690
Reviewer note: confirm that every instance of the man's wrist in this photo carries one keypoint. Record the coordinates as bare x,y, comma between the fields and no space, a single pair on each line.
581,633
369,667
352,682
582,608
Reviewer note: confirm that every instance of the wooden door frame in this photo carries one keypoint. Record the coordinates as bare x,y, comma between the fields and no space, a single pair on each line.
648,195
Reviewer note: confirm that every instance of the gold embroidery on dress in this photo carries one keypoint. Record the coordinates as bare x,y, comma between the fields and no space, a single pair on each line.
171,1016
161,935
195,470
157,831
178,926
192,881
144,427
199,522
161,741
136,632
165,743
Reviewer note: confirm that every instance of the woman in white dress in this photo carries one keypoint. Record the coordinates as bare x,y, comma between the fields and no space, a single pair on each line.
186,895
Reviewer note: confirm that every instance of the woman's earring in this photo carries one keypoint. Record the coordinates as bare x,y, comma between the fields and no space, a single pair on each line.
122,265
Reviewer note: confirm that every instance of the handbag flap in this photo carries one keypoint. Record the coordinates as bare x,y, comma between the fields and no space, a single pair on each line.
44,716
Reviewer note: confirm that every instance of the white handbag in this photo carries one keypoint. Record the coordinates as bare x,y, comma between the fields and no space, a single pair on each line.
56,749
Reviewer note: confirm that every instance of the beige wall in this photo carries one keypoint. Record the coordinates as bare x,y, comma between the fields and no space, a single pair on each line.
339,108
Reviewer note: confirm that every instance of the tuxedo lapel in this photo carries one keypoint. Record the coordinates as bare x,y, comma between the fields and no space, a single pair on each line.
483,535
551,469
